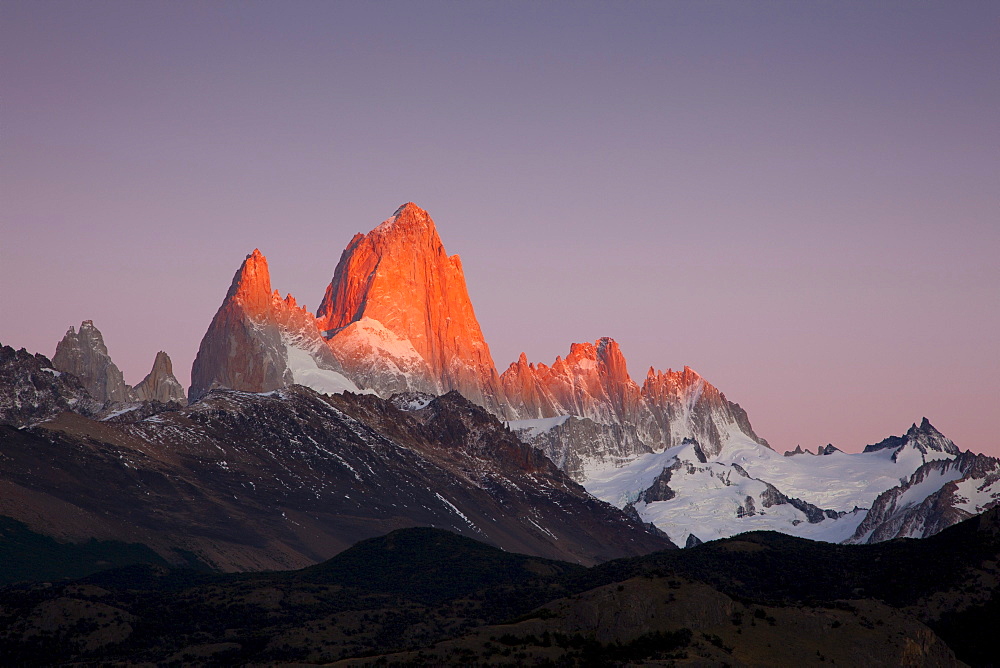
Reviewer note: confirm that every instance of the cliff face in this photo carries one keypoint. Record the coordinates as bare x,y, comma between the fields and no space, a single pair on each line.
259,342
242,348
84,355
398,316
593,382
160,384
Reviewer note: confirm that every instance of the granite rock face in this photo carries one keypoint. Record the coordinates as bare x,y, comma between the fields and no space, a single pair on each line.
84,355
242,348
247,345
593,382
160,384
398,316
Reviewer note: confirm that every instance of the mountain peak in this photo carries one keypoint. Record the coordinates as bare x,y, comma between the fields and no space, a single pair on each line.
162,363
160,383
242,348
251,285
407,219
410,210
924,428
923,437
85,355
398,280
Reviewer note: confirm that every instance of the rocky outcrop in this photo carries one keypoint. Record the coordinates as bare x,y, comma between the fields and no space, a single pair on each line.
579,445
398,316
925,438
940,493
827,449
84,355
684,405
160,384
32,390
660,489
242,348
593,383
248,345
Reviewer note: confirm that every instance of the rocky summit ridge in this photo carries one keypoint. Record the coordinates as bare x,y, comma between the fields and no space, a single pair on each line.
85,355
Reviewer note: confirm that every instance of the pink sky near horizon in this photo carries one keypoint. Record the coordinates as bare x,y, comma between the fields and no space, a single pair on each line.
801,201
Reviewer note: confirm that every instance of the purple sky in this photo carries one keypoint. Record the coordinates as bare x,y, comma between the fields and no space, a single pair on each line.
799,200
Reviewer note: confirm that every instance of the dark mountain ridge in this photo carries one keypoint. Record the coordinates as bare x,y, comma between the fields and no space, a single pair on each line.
756,599
285,479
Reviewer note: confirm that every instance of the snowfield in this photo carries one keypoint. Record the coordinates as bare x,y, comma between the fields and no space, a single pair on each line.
715,499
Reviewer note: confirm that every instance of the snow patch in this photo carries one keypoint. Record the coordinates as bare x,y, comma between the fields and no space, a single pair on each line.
415,404
306,372
537,426
381,340
978,495
932,482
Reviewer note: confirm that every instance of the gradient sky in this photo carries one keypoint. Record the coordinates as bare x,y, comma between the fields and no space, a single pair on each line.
801,201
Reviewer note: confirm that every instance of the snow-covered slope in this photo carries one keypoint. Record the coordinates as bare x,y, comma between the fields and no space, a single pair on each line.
939,493
825,497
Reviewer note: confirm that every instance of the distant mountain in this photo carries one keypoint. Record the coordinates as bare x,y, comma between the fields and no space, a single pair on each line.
940,493
84,355
746,487
397,317
609,420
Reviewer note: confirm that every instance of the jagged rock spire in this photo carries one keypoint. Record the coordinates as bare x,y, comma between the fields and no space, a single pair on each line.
242,348
160,383
84,355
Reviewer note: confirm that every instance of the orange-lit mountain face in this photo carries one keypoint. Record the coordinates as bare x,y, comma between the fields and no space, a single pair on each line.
247,345
398,316
593,382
